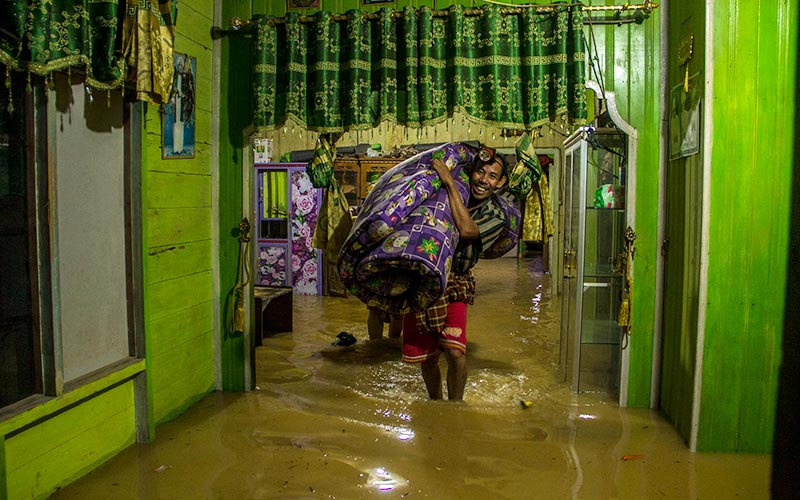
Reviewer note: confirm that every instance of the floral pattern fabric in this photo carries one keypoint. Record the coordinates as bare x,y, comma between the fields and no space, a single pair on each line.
414,67
43,36
305,261
400,251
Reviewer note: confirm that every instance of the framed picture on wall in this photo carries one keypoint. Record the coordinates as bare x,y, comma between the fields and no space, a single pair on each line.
302,4
178,118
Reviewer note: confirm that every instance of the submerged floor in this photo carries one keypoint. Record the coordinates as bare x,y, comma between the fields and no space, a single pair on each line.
354,422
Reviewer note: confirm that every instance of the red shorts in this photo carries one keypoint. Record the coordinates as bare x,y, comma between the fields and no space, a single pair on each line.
420,345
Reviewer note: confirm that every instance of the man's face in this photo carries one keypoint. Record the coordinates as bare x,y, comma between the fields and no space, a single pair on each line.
485,179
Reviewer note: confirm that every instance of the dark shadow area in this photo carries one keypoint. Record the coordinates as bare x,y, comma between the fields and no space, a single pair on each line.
786,444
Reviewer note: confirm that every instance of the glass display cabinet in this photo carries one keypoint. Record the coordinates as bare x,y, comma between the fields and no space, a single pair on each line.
599,162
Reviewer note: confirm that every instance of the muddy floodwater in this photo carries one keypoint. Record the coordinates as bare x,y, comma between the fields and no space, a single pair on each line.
329,422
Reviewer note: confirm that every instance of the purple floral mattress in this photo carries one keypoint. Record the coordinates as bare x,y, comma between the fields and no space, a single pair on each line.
400,249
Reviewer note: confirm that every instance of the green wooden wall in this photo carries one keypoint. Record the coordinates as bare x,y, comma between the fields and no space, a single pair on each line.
683,218
754,83
66,447
234,120
177,240
64,438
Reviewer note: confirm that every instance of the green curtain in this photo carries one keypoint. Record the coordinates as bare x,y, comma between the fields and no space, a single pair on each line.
43,36
506,70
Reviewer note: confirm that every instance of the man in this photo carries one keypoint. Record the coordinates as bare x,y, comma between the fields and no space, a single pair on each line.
442,327
375,321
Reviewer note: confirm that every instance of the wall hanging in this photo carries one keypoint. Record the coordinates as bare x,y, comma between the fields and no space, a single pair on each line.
178,116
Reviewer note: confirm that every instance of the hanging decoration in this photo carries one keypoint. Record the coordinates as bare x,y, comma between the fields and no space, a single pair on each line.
46,36
417,67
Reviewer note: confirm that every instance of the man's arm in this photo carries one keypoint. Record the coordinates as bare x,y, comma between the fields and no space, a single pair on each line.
467,229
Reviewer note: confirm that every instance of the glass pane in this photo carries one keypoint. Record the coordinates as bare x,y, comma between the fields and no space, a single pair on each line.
275,194
17,348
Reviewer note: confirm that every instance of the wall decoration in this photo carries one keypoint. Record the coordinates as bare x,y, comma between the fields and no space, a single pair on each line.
684,118
373,2
178,120
303,4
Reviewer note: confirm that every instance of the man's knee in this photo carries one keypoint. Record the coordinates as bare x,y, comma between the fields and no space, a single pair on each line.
454,354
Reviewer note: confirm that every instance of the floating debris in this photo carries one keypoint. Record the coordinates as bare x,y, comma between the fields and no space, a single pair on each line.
344,339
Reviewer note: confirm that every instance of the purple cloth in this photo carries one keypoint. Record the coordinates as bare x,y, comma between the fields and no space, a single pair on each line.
400,249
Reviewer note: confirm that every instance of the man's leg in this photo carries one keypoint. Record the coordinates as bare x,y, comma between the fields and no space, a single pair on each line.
433,377
395,327
456,374
454,342
374,324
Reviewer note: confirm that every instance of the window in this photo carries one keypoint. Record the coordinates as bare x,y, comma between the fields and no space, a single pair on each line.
70,244
18,349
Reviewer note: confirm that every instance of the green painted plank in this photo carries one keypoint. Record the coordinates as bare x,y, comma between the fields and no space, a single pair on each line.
739,372
172,261
175,397
768,242
729,231
168,297
177,328
170,226
200,164
234,118
3,468
645,116
60,403
172,365
175,190
31,444
72,459
171,405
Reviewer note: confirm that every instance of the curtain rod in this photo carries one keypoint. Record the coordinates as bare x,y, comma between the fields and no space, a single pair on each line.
647,7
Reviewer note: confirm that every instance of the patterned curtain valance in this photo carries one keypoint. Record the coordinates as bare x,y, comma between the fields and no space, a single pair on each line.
514,71
43,36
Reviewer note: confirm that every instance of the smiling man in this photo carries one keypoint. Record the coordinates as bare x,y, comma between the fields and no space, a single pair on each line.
443,326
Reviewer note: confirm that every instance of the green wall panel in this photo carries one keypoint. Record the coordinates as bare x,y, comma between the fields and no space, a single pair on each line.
172,261
178,239
748,235
169,226
683,218
174,295
171,190
234,119
180,326
63,448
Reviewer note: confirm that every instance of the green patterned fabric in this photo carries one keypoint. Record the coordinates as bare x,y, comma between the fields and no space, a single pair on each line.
514,71
51,35
320,168
527,171
43,36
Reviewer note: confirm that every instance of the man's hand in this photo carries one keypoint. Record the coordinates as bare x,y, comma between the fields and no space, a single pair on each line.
444,174
467,228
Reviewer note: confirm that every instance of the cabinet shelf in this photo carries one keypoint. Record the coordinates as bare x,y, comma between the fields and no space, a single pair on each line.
604,331
605,271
